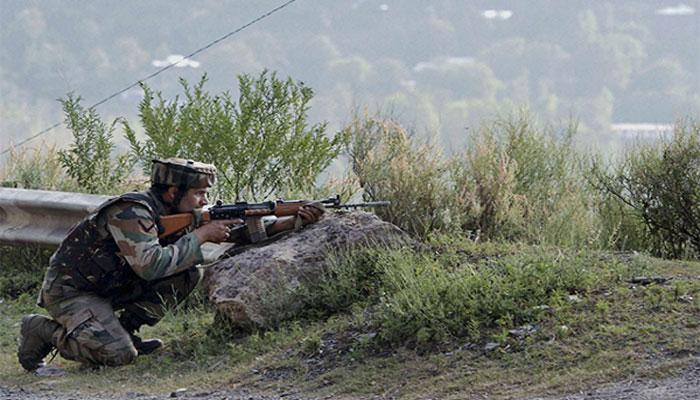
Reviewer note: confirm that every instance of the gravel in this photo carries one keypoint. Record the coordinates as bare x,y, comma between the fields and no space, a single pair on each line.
685,386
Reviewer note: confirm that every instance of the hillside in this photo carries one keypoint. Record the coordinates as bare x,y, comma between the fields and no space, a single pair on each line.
621,328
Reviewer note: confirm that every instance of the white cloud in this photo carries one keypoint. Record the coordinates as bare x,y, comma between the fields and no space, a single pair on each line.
384,7
424,65
681,9
459,60
497,14
357,4
181,61
442,63
409,84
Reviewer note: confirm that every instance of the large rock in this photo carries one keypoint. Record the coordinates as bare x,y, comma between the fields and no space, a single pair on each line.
255,288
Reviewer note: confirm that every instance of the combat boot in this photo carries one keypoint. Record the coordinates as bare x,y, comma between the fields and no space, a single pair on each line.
131,323
36,340
147,346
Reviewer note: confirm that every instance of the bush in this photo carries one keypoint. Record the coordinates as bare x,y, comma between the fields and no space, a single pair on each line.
660,183
484,179
518,182
23,266
411,297
513,182
261,146
353,277
390,166
89,160
620,226
434,298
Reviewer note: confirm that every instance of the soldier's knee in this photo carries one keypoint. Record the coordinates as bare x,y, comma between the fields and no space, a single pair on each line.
120,352
122,356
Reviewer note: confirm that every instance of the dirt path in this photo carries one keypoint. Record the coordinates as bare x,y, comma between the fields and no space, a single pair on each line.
685,386
45,393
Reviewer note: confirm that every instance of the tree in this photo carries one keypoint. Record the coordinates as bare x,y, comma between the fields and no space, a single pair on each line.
262,145
89,160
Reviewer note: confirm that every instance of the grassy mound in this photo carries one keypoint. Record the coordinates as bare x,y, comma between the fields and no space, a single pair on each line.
461,321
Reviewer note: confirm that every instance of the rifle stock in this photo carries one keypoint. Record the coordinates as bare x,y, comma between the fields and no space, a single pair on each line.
175,223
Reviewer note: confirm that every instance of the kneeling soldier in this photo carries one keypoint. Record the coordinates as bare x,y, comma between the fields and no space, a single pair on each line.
112,274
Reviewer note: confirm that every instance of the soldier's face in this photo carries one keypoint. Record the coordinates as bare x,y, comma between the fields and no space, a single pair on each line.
193,198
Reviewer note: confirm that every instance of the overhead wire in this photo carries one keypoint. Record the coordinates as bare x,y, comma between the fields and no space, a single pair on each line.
158,72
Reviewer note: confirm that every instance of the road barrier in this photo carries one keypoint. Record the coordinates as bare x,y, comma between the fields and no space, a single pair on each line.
44,217
41,216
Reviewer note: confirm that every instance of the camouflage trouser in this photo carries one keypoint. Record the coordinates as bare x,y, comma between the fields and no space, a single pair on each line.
93,334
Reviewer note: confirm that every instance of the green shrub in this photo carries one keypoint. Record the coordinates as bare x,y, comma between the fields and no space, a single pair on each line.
23,265
390,166
514,181
620,226
434,298
517,181
262,145
353,278
412,297
484,179
660,184
88,160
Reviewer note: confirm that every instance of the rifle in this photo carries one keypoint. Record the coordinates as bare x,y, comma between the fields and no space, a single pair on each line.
252,214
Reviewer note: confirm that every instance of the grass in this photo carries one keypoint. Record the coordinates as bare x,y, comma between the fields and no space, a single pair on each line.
610,331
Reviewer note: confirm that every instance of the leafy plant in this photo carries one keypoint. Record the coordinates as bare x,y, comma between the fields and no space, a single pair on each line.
89,160
661,183
23,268
261,145
389,165
514,181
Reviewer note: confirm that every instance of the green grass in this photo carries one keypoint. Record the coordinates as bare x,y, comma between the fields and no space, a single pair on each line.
611,331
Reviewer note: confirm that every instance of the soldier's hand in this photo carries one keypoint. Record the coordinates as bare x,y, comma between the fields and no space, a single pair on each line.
311,213
216,231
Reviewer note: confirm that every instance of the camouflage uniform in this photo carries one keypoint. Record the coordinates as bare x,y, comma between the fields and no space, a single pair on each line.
114,261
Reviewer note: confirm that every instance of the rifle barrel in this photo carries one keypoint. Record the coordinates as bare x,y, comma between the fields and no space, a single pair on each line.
358,205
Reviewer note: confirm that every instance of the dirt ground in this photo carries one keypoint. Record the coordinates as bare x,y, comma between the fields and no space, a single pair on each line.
684,386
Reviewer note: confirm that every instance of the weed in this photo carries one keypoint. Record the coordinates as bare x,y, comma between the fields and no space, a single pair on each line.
89,158
389,165
514,182
659,183
36,169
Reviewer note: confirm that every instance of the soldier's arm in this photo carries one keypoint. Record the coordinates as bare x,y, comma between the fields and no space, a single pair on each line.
134,230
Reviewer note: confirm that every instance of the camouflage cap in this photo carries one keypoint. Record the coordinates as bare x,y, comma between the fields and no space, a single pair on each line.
181,172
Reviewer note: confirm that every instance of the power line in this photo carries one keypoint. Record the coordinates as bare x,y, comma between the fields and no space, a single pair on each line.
158,72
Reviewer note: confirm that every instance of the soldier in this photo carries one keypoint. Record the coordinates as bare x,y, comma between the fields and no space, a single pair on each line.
112,274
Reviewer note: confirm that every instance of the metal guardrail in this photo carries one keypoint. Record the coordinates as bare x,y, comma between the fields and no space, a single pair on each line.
45,217
41,216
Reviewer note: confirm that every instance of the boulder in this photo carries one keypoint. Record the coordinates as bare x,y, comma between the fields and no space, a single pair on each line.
253,287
